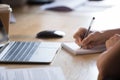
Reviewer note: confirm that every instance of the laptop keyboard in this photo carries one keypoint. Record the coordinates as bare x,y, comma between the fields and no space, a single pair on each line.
20,51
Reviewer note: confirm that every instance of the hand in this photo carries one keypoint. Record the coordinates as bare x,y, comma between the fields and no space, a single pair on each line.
79,36
108,62
94,39
111,42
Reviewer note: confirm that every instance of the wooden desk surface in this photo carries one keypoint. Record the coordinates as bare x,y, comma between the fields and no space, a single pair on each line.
30,21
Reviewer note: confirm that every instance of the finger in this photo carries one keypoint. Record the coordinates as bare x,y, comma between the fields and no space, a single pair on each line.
108,42
87,40
114,38
77,34
78,40
89,46
117,35
79,44
80,33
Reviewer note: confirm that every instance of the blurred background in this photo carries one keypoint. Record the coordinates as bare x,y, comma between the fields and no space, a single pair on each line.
82,6
15,3
79,4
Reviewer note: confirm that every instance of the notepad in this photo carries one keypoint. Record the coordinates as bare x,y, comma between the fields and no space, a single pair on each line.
48,73
73,48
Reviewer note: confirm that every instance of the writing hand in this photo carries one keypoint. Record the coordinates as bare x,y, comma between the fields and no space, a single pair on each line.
93,39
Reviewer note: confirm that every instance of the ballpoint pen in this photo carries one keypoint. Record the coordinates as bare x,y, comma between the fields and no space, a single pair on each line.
88,30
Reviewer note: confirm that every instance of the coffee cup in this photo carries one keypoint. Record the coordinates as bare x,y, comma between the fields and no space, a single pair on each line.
5,16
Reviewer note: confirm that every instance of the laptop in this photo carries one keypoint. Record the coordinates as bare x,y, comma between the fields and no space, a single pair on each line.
26,52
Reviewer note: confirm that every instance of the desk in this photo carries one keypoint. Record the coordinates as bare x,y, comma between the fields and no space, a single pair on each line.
30,21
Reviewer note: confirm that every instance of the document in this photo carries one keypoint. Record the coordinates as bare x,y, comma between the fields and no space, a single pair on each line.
62,5
49,73
2,68
78,5
73,48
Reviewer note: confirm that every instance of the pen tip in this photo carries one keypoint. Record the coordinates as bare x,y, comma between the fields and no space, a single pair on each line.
93,17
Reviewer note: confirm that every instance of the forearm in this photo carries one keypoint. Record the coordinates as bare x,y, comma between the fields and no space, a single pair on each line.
110,33
110,62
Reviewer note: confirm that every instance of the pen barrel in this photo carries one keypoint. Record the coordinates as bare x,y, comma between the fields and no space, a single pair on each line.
88,30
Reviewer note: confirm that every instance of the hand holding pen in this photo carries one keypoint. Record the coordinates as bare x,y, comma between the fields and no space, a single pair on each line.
82,34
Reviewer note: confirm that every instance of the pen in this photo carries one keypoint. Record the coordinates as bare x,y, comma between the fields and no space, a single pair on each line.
88,30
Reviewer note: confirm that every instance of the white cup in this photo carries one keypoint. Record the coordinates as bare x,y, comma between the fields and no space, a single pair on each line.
5,15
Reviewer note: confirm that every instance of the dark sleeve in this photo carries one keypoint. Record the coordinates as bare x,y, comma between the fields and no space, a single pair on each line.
112,78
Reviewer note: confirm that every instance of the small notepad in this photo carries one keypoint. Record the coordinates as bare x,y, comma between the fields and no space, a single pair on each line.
72,47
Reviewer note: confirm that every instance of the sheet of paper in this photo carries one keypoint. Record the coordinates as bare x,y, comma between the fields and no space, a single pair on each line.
50,73
75,49
94,6
2,68
63,3
79,5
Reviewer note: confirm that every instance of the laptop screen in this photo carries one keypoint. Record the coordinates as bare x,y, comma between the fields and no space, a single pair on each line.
3,34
